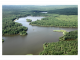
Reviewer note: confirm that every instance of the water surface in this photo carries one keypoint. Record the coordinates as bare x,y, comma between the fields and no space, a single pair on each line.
33,42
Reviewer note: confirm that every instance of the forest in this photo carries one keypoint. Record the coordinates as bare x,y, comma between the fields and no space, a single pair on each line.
60,48
58,21
11,28
57,16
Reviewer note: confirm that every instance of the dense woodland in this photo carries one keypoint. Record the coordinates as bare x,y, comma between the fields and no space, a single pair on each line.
11,28
58,21
57,16
60,48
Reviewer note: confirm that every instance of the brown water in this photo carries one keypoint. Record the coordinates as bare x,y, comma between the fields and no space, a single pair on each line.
33,42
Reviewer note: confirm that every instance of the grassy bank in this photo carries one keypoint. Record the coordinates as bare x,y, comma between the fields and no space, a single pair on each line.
64,32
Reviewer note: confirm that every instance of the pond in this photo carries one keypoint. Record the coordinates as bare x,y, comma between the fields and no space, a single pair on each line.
33,42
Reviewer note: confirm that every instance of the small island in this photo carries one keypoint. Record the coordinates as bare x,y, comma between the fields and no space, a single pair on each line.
28,20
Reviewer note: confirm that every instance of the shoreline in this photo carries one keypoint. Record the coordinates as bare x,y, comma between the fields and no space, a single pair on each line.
51,26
